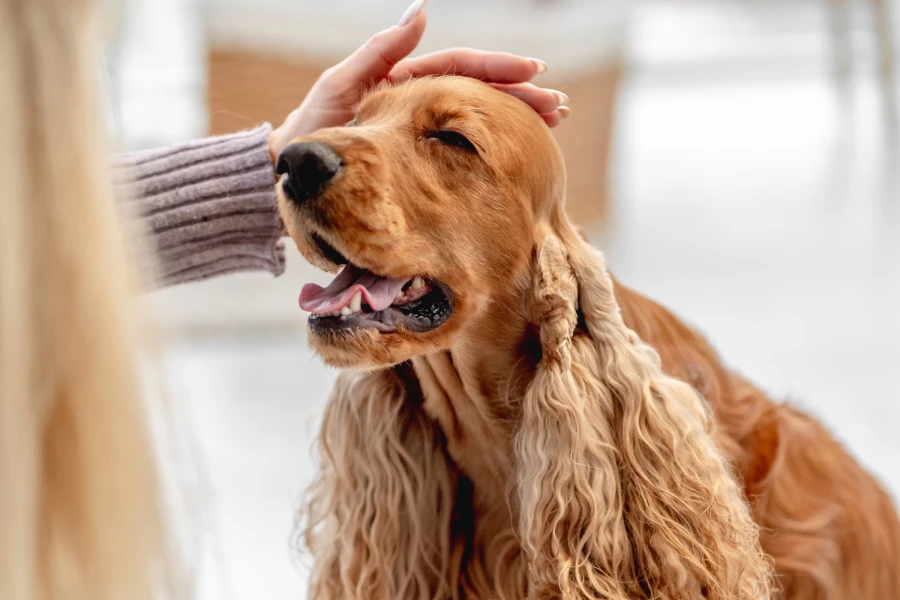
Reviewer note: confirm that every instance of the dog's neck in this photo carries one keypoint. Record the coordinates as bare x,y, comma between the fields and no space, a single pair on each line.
474,392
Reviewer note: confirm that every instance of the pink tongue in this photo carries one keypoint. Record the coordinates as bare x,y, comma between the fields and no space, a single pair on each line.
377,292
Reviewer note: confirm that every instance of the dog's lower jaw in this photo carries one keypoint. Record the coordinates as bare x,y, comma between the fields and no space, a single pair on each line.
357,350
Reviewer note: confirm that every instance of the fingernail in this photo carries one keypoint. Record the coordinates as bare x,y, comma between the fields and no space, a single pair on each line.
563,98
412,12
541,65
565,111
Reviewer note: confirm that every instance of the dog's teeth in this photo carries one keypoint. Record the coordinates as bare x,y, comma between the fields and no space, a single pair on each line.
399,296
345,311
356,302
417,283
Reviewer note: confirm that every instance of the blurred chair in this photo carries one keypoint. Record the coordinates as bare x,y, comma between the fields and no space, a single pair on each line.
258,72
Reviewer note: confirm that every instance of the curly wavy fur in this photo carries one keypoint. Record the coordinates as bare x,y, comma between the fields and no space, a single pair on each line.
624,493
380,513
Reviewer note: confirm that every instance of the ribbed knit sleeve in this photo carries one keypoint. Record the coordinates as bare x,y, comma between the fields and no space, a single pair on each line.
208,205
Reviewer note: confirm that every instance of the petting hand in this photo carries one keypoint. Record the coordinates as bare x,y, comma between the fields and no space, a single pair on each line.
331,100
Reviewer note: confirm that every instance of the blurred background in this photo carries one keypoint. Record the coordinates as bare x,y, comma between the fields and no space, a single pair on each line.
737,160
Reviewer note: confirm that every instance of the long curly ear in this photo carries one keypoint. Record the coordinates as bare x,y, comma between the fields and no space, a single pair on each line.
623,492
378,518
570,496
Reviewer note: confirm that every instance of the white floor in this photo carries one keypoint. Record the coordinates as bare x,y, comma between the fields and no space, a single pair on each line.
764,209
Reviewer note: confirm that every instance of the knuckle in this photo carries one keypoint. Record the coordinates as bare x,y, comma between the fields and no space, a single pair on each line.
376,41
328,74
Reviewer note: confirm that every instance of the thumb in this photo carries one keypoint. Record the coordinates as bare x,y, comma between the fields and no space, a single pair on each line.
374,60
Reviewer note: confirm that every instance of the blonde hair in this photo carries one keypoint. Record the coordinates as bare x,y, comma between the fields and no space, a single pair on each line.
79,507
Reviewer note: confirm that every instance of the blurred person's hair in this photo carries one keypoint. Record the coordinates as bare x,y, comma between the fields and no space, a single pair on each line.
80,501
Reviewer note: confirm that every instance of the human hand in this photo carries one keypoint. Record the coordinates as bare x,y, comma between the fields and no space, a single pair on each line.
330,101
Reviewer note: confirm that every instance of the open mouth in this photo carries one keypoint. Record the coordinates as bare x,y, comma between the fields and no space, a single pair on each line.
358,298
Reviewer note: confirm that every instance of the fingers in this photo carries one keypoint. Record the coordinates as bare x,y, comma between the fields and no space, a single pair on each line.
374,60
542,100
497,67
556,117
550,104
384,56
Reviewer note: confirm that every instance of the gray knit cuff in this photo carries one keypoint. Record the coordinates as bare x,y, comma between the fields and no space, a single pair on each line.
208,206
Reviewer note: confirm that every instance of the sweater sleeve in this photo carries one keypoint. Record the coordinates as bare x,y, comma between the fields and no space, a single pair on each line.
208,206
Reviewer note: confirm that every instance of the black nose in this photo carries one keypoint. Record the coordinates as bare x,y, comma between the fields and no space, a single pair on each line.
309,166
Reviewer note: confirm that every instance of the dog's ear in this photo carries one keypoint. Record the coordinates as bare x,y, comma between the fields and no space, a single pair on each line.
569,492
623,492
378,519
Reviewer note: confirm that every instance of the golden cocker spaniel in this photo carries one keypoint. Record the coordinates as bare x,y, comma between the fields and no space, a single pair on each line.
516,424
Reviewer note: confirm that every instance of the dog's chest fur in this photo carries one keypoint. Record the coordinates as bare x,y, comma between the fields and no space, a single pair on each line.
479,435
478,439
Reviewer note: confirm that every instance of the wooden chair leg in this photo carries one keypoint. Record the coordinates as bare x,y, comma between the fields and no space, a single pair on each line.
884,27
885,31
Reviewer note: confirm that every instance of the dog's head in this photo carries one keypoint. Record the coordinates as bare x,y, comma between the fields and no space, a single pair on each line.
428,200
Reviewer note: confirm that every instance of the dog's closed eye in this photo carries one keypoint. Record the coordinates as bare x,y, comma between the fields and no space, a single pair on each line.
452,138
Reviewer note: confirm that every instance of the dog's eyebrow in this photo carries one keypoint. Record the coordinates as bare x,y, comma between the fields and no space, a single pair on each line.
448,114
468,117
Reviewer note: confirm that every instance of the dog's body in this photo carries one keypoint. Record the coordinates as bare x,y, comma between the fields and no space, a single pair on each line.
524,440
832,531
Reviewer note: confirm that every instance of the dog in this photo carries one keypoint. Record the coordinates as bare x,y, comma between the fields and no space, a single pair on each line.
515,423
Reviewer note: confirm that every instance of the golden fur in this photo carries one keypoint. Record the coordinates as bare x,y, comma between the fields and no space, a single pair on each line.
548,440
